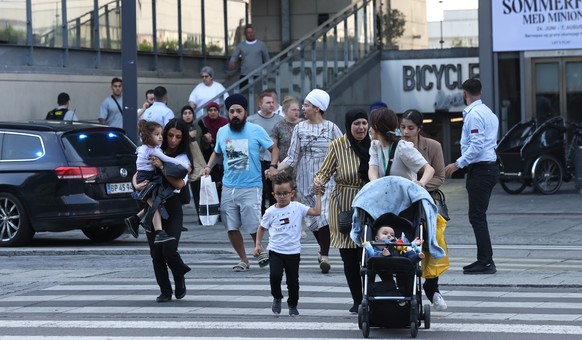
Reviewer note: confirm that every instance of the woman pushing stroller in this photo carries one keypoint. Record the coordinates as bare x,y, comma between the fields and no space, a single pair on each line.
418,159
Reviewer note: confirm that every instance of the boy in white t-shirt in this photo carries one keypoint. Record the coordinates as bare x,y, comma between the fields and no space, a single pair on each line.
283,221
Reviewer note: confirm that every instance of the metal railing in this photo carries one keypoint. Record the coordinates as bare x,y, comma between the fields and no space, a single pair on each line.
317,60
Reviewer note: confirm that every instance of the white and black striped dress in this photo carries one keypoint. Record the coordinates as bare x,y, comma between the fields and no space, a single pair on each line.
307,151
342,164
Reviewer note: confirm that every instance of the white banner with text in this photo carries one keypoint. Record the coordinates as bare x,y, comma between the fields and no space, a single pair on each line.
524,25
426,85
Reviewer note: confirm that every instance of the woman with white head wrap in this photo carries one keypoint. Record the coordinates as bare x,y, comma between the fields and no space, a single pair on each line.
307,150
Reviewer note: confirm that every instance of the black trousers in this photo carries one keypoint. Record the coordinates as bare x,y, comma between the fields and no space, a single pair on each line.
195,187
268,198
290,264
352,258
165,255
481,178
430,287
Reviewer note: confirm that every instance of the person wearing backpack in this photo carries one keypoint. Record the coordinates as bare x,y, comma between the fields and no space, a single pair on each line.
62,111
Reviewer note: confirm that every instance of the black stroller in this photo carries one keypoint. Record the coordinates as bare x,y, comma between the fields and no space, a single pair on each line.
406,207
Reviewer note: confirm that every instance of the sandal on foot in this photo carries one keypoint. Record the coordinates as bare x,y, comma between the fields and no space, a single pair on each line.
241,267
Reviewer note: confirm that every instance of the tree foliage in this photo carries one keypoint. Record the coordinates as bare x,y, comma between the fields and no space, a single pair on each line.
393,27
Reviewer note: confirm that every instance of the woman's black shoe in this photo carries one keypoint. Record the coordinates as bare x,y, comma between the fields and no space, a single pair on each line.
164,298
180,290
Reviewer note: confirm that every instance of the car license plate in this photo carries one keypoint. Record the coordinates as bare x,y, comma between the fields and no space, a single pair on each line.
119,188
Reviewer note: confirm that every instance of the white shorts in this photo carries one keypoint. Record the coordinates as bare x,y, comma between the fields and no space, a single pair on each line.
240,209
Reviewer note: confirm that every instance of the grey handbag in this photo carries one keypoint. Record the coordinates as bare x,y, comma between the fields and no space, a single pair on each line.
345,221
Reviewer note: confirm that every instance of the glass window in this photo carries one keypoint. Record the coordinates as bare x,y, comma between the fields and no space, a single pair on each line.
547,90
191,27
110,24
509,90
47,23
235,23
144,26
12,22
167,25
97,147
574,91
22,147
214,20
79,23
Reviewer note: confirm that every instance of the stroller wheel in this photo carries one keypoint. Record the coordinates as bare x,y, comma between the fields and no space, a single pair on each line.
426,317
413,329
365,329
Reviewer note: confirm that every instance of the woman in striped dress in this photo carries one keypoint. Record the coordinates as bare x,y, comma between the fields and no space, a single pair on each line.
309,143
347,160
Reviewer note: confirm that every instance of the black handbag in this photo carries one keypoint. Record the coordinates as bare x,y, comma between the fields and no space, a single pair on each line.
147,191
185,195
439,200
345,221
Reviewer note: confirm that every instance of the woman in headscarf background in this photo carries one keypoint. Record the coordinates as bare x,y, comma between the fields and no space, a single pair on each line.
209,125
194,133
347,161
309,144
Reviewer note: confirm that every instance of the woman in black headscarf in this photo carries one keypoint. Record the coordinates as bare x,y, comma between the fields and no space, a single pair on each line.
347,160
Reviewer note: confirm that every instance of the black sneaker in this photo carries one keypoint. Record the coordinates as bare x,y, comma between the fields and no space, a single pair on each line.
480,268
276,308
132,224
293,311
354,309
162,236
164,298
471,265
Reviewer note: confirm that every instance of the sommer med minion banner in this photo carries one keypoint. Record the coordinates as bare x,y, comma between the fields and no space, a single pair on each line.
523,25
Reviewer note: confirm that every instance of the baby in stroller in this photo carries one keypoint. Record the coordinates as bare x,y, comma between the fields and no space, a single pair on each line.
408,209
392,245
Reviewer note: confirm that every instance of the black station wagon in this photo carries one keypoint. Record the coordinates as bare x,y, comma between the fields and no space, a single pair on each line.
59,175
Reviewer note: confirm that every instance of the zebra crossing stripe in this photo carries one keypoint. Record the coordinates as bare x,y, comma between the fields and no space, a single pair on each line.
313,326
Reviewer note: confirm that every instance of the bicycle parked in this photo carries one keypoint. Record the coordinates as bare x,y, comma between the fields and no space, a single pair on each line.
538,154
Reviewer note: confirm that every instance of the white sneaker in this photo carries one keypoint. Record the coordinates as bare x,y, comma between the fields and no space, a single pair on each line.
438,302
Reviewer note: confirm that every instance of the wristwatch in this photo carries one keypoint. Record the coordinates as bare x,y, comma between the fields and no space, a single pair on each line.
273,166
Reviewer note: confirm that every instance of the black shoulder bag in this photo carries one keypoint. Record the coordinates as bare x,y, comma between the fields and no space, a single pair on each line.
117,103
391,157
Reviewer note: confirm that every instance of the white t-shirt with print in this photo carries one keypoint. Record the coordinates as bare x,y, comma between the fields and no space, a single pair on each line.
284,225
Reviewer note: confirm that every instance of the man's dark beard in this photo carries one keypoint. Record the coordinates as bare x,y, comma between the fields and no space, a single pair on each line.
237,125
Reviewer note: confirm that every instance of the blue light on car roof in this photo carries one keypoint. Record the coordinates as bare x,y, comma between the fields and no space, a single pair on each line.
112,135
82,136
39,153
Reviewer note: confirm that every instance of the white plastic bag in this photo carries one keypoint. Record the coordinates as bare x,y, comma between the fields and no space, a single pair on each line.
209,204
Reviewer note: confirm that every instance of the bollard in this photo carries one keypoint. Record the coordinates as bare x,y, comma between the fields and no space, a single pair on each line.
578,168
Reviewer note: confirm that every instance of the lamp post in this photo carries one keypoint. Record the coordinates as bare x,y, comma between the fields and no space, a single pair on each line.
442,41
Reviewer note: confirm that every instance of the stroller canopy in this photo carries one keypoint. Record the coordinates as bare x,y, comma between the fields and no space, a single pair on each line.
393,194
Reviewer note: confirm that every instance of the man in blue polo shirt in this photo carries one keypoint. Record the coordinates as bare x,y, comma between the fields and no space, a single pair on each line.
478,143
238,145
